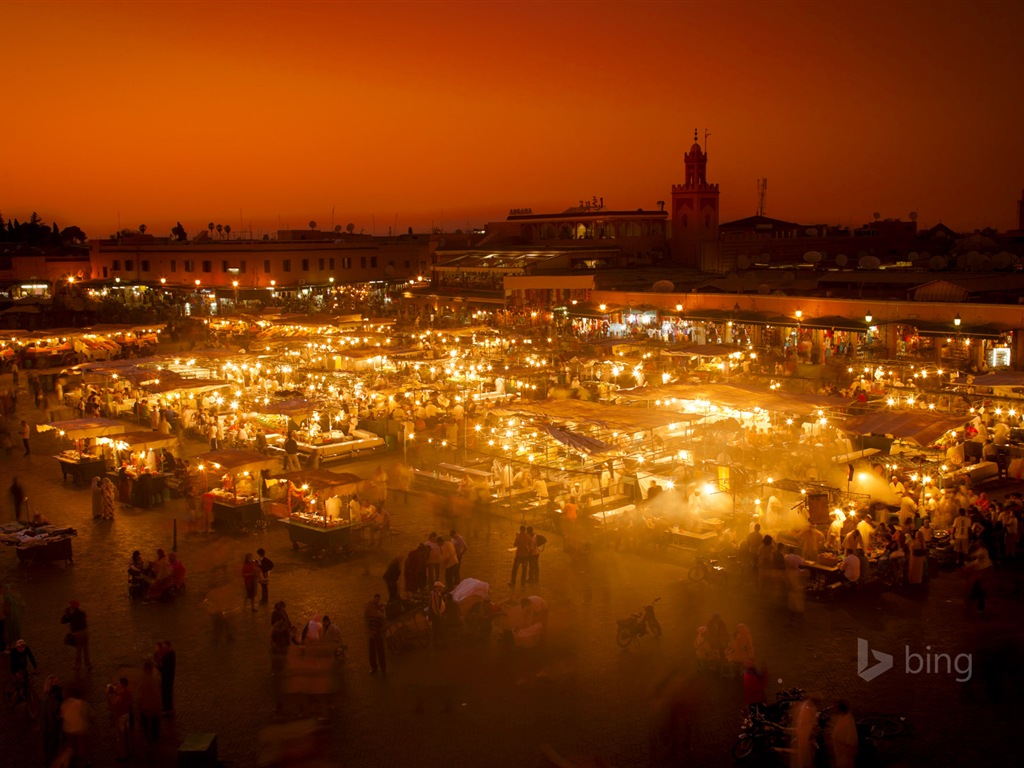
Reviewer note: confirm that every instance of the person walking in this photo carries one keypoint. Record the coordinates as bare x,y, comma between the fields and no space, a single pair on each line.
74,715
53,697
78,632
18,498
391,576
266,565
25,432
167,664
250,571
150,701
376,621
433,558
522,544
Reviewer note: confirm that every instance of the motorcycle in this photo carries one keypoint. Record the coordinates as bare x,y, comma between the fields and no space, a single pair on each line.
760,736
638,624
710,570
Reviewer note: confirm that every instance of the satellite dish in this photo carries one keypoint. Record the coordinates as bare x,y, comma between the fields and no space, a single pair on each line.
812,231
663,286
764,289
913,256
841,260
937,263
869,262
743,261
812,257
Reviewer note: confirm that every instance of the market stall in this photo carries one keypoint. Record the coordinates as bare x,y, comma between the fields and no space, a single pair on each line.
39,544
142,466
86,459
318,511
235,503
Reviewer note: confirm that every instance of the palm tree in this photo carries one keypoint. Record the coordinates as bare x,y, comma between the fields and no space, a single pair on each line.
220,229
312,225
142,229
210,227
227,231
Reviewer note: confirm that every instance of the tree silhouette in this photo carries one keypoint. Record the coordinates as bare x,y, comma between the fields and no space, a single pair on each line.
210,227
220,229
178,232
312,225
227,231
142,229
350,228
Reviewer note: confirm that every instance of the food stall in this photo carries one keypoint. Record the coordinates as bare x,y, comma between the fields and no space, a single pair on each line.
40,544
140,460
317,507
85,460
235,503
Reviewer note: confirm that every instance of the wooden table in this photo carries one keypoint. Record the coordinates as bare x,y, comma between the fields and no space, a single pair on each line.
821,575
689,539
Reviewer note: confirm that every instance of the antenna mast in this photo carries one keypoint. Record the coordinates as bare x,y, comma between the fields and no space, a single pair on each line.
762,193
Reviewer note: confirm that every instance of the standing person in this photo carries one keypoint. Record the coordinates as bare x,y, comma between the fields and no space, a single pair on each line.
376,620
109,498
460,550
18,497
211,434
754,539
391,576
291,454
961,535
97,498
74,715
266,566
250,571
844,736
977,572
150,701
433,557
436,611
119,699
522,545
78,628
918,560
449,562
167,664
537,542
25,432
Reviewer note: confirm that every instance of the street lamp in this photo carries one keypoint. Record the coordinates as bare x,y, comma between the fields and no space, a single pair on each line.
868,317
235,284
956,320
799,314
198,281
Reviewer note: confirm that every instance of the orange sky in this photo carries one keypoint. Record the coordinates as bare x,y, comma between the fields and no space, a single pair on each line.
454,112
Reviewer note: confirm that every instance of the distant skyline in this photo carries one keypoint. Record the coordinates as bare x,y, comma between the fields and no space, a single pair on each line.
399,114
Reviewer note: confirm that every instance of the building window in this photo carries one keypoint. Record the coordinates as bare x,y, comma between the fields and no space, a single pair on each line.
373,262
305,265
266,267
190,266
207,266
408,264
322,262
241,267
346,263
332,265
116,266
224,266
145,265
129,265
362,262
287,265
104,271
174,265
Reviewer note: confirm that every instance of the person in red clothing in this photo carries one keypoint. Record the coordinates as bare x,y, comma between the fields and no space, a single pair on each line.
754,681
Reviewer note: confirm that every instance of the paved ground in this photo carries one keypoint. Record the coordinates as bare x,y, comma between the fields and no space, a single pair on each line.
492,704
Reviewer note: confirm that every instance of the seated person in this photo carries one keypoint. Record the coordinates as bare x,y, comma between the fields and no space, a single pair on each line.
37,520
168,462
850,567
139,573
534,611
177,571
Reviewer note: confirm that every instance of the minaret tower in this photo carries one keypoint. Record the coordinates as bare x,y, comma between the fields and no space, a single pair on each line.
695,213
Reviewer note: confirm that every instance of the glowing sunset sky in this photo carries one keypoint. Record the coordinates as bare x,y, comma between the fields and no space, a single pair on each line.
453,112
